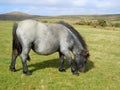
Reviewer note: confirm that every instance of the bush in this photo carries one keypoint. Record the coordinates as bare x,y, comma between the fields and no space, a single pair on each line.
99,22
45,21
95,23
102,22
81,22
117,24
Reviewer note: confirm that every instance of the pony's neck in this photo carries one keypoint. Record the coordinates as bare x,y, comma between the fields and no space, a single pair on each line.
77,42
77,49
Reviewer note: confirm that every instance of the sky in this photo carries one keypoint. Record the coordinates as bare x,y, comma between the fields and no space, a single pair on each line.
61,7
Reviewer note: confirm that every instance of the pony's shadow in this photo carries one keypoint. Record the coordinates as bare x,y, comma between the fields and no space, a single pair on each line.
89,65
54,63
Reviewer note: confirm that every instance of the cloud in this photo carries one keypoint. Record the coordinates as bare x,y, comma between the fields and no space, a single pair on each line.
79,3
30,2
107,4
65,3
62,7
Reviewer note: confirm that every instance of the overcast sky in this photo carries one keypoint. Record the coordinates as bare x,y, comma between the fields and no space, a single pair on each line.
61,7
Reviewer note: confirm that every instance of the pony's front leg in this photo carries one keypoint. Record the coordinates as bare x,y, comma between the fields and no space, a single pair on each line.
71,63
24,57
61,61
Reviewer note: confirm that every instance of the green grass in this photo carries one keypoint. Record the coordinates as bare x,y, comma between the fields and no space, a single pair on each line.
103,68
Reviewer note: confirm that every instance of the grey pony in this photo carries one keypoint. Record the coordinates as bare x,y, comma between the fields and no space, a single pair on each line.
45,39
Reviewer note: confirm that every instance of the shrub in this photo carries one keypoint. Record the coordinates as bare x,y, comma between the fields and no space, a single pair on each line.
99,22
45,21
95,23
81,22
117,24
102,22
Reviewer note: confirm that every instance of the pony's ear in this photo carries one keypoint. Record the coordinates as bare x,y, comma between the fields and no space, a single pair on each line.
85,53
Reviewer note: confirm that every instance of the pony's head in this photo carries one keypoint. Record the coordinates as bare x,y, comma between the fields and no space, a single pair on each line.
81,60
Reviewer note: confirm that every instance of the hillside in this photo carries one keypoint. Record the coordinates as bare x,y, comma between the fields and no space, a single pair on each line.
92,17
22,16
16,16
17,13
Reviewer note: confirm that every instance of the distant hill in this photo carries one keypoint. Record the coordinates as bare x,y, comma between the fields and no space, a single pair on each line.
21,16
16,16
110,17
17,13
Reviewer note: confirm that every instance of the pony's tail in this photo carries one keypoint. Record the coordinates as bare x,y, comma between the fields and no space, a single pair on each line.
16,45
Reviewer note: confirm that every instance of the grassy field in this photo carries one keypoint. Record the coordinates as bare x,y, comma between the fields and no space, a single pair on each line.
103,67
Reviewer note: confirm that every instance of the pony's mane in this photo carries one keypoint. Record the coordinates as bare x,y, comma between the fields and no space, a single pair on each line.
75,32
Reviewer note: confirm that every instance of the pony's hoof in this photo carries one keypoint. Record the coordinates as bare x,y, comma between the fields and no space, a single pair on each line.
76,73
62,70
27,73
12,69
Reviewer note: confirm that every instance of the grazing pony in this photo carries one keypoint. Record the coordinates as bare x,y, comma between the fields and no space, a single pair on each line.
45,39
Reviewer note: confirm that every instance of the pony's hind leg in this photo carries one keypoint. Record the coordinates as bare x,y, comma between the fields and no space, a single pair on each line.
13,61
24,57
61,61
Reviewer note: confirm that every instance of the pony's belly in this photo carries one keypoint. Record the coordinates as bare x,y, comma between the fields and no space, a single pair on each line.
46,49
47,45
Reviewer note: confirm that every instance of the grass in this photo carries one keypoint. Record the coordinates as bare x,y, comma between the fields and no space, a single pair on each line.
103,68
